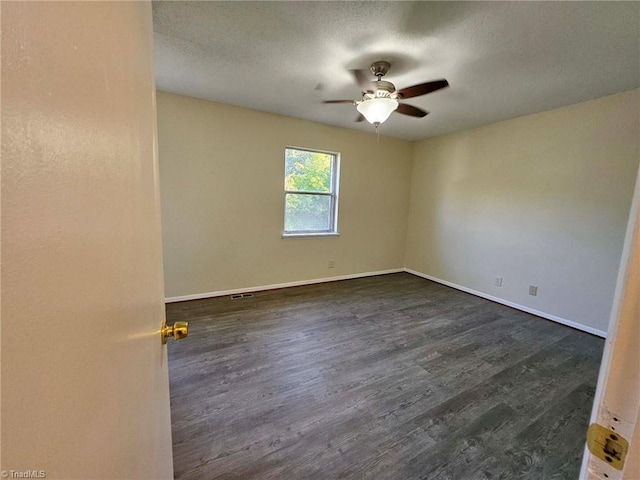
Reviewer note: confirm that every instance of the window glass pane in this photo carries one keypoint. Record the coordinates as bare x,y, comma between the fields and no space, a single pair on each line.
307,213
307,171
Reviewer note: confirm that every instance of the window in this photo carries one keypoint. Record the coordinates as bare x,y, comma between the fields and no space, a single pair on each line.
310,192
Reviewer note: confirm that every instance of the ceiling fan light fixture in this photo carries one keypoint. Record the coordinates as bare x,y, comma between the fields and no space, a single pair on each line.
377,110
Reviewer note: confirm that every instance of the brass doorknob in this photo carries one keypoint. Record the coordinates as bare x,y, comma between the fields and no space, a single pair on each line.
178,331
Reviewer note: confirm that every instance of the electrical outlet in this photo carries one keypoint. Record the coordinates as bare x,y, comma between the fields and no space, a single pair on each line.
332,263
533,290
498,282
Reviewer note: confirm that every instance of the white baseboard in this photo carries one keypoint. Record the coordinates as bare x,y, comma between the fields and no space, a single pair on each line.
533,311
548,316
222,293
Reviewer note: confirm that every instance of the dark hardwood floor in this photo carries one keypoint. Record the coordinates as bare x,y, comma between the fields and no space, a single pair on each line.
388,377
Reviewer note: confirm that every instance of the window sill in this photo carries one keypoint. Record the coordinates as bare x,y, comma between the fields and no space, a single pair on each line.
311,235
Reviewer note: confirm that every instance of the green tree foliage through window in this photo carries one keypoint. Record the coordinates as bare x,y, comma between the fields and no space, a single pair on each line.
307,171
310,197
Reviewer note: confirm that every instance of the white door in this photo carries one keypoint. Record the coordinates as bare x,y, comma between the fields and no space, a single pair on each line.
617,400
84,374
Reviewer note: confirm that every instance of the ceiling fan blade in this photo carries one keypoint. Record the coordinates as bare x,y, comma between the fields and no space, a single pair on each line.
411,110
359,118
422,89
363,80
338,101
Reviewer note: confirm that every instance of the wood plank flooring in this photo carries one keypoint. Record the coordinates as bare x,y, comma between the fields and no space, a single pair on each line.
388,377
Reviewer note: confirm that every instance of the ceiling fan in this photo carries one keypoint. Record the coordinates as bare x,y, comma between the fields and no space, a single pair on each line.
380,98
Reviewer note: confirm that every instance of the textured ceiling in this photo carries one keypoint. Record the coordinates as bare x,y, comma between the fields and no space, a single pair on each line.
502,59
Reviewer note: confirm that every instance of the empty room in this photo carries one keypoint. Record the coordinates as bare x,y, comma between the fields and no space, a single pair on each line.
424,301
320,240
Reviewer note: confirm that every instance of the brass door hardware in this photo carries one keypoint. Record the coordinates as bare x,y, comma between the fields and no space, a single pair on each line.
607,445
178,331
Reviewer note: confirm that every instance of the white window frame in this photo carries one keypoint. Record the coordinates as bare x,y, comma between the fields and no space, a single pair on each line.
335,183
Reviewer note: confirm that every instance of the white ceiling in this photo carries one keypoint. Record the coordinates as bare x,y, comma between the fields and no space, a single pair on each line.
502,59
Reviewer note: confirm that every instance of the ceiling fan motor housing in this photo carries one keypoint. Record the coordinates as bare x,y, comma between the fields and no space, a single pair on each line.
384,89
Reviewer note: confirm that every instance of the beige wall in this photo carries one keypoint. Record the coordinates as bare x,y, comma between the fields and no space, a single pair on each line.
222,178
538,200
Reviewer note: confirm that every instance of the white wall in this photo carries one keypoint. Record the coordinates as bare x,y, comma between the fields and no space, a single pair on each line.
538,200
222,180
